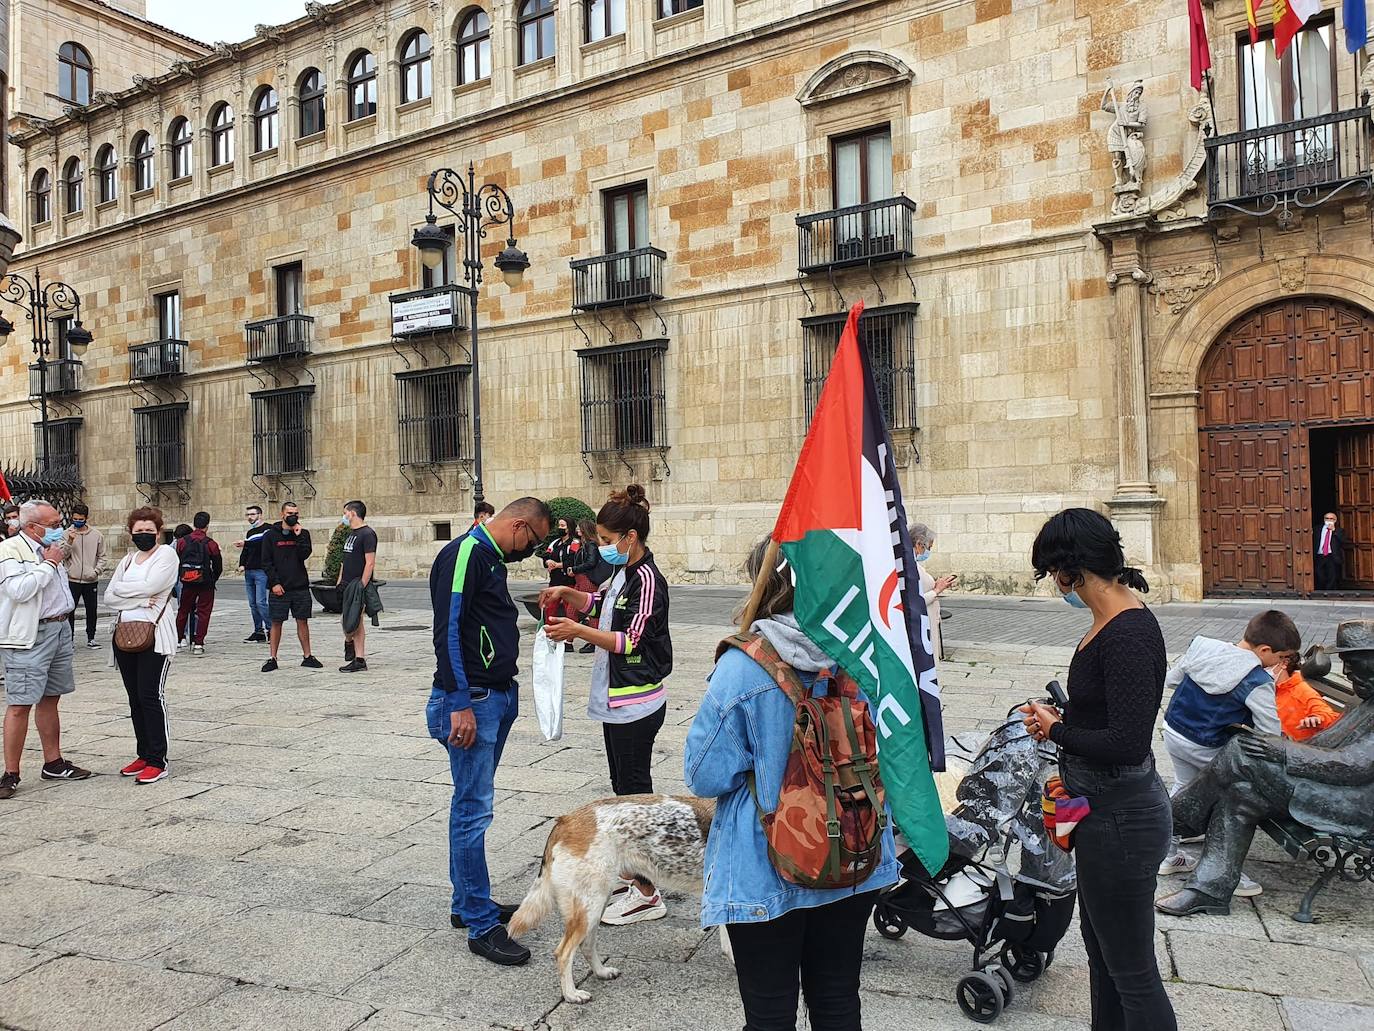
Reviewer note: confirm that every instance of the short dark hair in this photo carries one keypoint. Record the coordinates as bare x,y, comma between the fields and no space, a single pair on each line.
80,509
1274,630
11,507
528,509
1078,541
200,520
138,515
288,504
253,508
182,530
483,508
626,510
357,508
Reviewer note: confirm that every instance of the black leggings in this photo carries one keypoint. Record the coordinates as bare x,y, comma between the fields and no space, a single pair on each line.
87,593
145,681
822,948
630,753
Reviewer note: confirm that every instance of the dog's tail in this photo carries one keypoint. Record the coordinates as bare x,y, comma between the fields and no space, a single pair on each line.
539,899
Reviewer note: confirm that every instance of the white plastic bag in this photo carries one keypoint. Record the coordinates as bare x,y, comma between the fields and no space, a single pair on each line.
548,685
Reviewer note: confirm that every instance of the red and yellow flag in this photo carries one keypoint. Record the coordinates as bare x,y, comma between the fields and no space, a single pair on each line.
1289,18
1254,25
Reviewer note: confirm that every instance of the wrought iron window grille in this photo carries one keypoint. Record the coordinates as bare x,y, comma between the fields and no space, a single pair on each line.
889,335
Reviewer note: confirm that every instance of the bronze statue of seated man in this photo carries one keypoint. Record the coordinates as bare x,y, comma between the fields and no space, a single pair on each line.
1325,782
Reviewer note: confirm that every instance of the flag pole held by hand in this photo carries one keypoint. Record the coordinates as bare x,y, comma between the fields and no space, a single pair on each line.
769,564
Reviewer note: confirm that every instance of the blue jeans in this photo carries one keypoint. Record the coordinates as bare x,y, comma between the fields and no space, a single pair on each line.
474,772
255,583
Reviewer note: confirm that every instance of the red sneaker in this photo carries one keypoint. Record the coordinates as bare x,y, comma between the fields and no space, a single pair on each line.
134,768
151,775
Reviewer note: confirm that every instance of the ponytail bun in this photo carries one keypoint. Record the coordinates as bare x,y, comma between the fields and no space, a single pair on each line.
1134,579
626,510
634,494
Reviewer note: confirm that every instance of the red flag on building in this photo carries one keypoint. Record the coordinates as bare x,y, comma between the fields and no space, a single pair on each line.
1253,22
1289,18
1201,56
4,489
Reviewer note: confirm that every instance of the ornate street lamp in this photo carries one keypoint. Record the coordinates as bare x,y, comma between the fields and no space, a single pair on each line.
44,304
478,208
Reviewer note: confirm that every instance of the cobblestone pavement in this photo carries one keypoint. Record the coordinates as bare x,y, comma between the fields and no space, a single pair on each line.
292,872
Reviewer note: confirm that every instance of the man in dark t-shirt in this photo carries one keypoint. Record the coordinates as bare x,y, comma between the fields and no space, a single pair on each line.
285,548
359,562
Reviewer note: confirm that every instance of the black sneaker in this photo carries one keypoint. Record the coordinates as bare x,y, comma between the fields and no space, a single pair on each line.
505,912
499,947
310,662
349,653
61,769
255,638
269,666
9,784
354,666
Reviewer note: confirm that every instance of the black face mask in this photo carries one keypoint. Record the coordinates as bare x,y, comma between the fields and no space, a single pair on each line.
292,520
520,554
145,541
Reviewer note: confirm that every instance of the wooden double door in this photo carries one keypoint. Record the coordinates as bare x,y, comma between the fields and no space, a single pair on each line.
1286,427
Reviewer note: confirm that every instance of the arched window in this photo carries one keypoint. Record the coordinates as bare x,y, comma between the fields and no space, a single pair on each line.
416,78
221,135
668,8
74,71
107,169
362,86
310,90
265,120
536,30
605,18
42,197
474,46
143,162
179,137
72,186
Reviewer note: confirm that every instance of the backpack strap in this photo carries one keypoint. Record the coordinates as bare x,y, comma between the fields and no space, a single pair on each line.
864,771
758,649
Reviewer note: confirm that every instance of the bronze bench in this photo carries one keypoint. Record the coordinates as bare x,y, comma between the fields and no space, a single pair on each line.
1338,855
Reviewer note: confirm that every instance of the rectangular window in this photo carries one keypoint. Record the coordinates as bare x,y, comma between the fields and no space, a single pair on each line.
623,397
290,282
861,167
62,443
281,431
433,415
61,346
889,335
1302,84
160,444
626,211
443,273
169,315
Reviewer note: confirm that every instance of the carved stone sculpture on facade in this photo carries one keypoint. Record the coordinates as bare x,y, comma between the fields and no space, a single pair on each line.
1126,144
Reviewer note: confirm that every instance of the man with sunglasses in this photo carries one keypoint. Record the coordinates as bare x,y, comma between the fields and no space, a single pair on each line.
254,576
474,702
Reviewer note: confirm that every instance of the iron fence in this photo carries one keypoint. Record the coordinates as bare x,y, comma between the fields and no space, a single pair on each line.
432,415
287,336
281,431
889,336
158,359
880,230
615,280
63,376
624,402
63,436
160,443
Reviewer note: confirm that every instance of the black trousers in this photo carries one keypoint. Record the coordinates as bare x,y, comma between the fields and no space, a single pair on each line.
630,753
1118,852
821,948
1328,570
87,593
145,681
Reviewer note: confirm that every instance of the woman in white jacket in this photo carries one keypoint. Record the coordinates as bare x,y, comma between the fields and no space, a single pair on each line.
141,589
922,540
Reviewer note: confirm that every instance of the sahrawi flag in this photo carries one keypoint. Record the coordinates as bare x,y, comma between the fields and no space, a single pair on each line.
843,531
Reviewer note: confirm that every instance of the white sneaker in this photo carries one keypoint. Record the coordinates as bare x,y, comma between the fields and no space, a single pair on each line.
1248,889
629,905
1179,862
197,649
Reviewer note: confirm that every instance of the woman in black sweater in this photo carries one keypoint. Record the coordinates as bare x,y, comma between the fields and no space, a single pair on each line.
1116,681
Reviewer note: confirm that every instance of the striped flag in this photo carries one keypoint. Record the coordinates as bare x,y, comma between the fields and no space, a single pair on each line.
843,530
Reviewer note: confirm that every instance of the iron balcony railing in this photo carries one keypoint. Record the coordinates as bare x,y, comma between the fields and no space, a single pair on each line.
287,336
617,280
881,230
437,309
63,377
158,359
1302,163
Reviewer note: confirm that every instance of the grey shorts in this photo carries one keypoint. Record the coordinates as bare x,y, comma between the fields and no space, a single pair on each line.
45,669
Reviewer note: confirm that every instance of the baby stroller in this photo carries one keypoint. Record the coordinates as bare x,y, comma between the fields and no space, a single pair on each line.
1007,889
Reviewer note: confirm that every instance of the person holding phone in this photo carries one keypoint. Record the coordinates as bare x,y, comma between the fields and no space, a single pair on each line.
922,542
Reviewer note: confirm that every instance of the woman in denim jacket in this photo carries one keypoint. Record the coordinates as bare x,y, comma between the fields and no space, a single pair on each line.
781,933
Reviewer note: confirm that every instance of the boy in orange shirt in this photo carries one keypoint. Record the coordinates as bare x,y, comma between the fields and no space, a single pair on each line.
1302,710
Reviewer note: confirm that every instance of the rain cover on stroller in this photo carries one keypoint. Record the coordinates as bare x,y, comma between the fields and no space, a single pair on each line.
1000,794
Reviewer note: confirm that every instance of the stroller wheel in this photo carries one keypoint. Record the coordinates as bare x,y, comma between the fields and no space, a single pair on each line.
1025,964
980,997
889,922
1008,992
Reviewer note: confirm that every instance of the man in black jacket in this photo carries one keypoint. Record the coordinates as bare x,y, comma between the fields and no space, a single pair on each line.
1329,563
254,579
474,703
285,547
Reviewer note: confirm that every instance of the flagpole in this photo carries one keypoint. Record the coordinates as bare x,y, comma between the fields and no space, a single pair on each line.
766,569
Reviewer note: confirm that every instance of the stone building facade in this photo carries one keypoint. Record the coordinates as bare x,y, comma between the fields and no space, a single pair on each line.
702,190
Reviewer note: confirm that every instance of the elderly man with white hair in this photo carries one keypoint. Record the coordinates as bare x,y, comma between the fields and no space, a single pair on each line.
35,604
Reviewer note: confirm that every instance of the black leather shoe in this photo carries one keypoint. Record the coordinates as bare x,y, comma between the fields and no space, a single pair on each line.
499,947
1190,902
504,915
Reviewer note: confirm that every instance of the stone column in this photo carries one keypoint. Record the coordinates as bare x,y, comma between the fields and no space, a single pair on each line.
335,99
288,113
442,60
124,166
505,53
388,84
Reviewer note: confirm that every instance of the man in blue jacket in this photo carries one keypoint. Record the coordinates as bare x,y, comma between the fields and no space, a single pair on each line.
475,700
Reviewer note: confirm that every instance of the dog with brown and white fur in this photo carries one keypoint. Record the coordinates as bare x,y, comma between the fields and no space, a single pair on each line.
660,838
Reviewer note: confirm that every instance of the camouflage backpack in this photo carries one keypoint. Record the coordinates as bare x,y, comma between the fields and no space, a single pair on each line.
827,831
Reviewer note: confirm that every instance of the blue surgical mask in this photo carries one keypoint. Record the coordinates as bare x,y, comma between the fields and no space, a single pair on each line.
54,536
343,521
1073,599
923,556
612,554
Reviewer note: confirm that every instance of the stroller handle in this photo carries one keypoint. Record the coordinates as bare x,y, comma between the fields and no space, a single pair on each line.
1056,696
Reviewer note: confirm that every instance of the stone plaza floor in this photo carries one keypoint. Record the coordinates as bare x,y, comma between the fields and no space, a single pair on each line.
292,871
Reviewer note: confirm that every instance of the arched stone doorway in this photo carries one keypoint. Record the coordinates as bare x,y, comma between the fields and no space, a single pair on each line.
1286,432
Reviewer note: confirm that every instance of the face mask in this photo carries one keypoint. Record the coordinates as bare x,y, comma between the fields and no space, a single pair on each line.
343,521
923,556
613,555
54,535
78,523
520,554
145,541
13,524
1073,599
292,520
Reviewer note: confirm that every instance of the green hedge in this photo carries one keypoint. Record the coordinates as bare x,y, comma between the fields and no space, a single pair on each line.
574,510
333,556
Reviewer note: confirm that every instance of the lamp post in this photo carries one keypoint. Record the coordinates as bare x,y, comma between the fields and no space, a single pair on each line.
43,304
478,208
